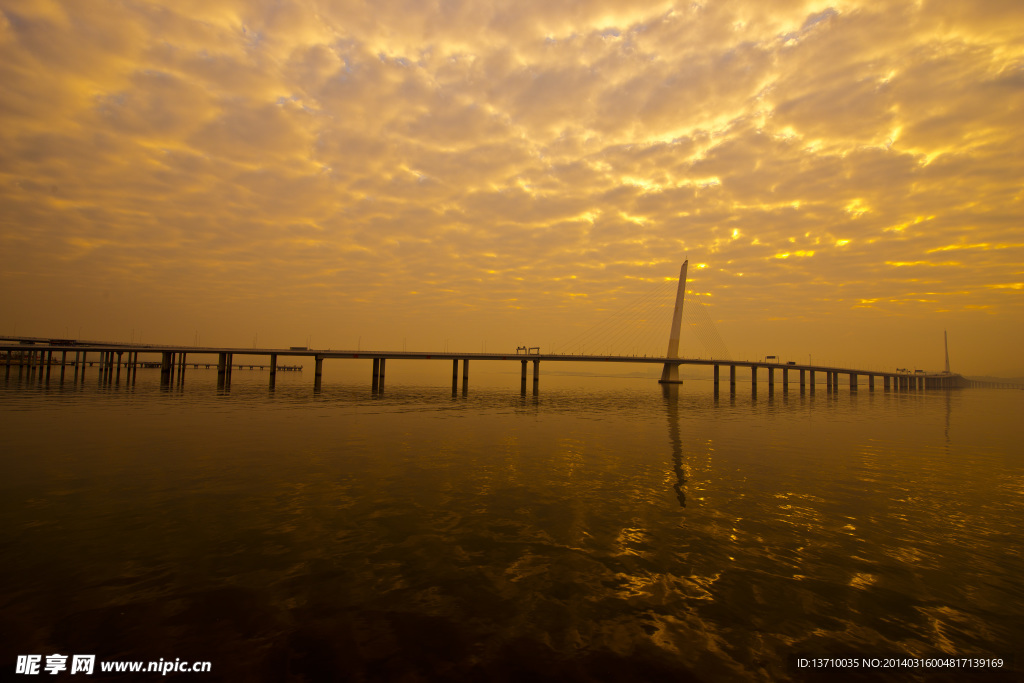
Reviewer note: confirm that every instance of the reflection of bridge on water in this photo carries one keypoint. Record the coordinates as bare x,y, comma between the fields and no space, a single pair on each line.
36,357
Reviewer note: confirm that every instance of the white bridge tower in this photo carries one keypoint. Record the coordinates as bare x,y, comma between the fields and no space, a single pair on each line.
670,373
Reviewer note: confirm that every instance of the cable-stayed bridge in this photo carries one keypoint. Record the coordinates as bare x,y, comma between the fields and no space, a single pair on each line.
36,358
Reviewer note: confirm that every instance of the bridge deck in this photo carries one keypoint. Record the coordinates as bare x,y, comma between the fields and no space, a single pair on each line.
40,344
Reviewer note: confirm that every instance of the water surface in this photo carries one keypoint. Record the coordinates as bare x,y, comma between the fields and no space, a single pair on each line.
604,529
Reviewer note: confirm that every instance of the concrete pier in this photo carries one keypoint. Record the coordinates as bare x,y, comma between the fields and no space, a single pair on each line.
273,370
383,367
716,379
753,378
871,382
375,376
536,375
853,381
455,376
771,380
165,368
785,380
465,376
732,379
318,372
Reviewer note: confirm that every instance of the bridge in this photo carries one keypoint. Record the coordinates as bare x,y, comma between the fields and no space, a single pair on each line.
36,357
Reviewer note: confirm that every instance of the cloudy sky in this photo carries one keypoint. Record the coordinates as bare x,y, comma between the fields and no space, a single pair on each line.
845,178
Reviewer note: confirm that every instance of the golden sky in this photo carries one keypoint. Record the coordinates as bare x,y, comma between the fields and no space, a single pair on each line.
846,179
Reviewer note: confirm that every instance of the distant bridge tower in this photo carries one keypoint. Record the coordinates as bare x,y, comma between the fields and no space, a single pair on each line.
945,336
670,373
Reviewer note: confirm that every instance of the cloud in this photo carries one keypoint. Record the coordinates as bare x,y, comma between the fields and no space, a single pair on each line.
279,155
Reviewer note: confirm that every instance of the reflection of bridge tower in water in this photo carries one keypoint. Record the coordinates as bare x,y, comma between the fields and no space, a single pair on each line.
670,373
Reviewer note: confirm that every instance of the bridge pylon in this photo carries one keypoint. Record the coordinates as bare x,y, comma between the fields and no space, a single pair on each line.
670,373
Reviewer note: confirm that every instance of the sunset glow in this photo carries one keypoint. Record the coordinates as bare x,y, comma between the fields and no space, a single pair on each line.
845,179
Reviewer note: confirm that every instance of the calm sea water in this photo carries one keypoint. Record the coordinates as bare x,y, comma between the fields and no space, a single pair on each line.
604,529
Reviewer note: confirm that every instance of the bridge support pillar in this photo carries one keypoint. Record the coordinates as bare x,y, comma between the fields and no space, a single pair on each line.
375,377
49,364
771,381
803,381
853,381
536,375
383,367
318,372
716,379
117,375
885,383
455,376
63,362
165,369
871,382
753,379
181,368
273,370
522,387
670,374
785,380
465,375
732,379
222,359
